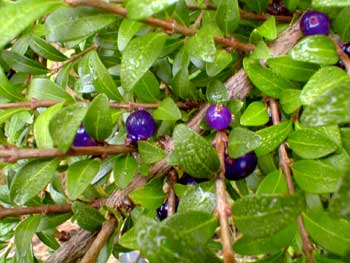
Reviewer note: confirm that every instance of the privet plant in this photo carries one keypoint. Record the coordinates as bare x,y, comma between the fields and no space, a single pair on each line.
175,131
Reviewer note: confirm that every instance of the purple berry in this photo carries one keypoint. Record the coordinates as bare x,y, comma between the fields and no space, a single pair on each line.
162,211
237,169
82,138
187,179
314,22
346,48
140,125
218,117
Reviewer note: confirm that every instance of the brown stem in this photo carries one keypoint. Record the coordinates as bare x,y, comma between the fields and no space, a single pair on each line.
102,237
342,55
285,166
222,206
13,154
172,177
168,26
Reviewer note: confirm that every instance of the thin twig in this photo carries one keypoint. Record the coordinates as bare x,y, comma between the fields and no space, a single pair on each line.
100,240
172,177
12,154
222,207
33,104
285,166
343,57
168,26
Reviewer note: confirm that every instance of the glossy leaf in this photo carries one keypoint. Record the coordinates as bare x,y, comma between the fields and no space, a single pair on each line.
330,3
317,49
7,90
138,57
291,69
216,92
268,29
316,177
290,100
150,152
141,9
101,79
88,218
197,199
167,111
255,114
264,215
182,86
222,60
41,127
329,232
45,89
242,141
124,170
23,64
227,16
194,154
147,88
6,114
272,137
64,125
79,176
273,183
98,118
24,233
44,49
18,16
128,28
31,179
258,6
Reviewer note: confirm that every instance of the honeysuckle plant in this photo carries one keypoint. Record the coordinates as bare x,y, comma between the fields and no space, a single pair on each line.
174,131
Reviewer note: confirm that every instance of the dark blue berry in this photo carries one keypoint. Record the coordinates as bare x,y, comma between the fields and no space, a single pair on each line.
346,48
237,169
314,22
82,138
162,211
218,117
140,125
187,179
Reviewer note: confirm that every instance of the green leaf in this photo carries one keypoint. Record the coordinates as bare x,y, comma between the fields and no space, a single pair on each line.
31,179
310,144
138,57
19,15
138,10
272,137
264,215
331,107
322,81
101,79
330,3
98,118
45,89
23,239
65,123
265,80
128,28
88,218
222,60
339,203
67,24
273,183
41,127
150,152
268,29
147,88
329,232
317,49
167,111
195,155
124,170
255,114
258,6
7,90
290,100
216,92
79,177
248,245
182,86
44,49
48,222
316,176
341,24
242,141
227,16
292,4
150,196
23,64
7,114
291,69
193,225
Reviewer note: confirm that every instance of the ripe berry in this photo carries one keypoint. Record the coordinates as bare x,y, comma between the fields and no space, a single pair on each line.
218,117
140,125
82,138
162,211
187,179
237,169
314,22
346,48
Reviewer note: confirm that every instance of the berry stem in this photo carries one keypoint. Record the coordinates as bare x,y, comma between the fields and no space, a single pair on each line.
285,166
222,206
